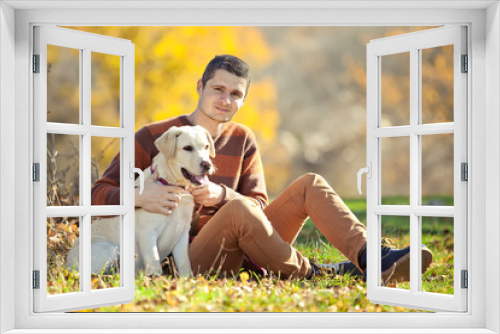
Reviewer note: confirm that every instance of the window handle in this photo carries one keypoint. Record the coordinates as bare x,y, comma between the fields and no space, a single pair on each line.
134,170
368,171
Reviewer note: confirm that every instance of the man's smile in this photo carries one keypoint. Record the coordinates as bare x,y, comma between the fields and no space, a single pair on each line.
222,109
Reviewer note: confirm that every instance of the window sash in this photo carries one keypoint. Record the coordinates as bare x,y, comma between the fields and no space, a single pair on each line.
86,43
413,43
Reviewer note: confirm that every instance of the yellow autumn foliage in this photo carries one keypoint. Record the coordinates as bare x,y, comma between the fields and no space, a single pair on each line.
168,63
170,60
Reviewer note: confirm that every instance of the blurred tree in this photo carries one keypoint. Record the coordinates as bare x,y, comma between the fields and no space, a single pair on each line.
320,74
436,106
307,102
168,63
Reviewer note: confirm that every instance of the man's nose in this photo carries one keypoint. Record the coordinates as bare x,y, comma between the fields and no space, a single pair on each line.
225,98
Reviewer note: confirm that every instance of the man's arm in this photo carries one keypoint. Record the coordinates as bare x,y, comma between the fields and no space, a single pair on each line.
106,190
250,181
155,198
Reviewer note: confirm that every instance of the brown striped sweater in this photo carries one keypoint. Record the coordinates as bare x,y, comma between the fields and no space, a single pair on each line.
238,165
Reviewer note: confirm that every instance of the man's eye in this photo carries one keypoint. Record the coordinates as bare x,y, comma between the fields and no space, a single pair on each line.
188,148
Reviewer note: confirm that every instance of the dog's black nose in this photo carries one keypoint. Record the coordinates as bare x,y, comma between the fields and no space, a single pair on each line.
206,166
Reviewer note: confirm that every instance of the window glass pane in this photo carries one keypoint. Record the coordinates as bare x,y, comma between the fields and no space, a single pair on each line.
395,171
63,170
395,90
62,273
63,85
105,258
396,234
105,93
104,149
437,84
438,236
437,169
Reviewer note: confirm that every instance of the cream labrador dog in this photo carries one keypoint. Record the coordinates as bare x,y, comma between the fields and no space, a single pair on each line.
183,160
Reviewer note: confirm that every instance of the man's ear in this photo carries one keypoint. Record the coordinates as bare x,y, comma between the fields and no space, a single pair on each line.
211,142
199,87
167,142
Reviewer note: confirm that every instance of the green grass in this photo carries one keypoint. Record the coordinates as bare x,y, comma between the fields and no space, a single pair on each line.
247,292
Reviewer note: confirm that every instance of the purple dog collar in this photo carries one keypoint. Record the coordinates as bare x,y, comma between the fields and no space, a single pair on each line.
165,183
161,180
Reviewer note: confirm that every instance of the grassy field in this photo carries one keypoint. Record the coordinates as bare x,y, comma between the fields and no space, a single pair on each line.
248,292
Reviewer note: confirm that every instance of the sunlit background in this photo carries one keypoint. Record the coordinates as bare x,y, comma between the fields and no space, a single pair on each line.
306,104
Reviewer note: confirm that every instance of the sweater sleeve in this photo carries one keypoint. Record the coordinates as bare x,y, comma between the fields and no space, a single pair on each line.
251,183
106,190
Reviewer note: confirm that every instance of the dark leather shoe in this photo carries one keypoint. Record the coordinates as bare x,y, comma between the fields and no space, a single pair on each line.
396,263
401,260
333,269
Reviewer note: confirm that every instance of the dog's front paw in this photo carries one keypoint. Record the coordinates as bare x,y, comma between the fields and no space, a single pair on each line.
153,271
184,270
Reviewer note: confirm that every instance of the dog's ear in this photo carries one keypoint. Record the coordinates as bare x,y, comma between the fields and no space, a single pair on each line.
211,142
167,142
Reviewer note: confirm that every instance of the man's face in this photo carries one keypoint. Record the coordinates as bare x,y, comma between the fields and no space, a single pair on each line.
222,96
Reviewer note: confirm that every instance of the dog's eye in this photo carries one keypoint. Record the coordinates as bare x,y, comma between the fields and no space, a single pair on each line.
188,148
206,147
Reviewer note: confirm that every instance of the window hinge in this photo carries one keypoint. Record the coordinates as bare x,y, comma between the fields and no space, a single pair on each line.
465,171
36,63
36,172
36,279
465,279
465,64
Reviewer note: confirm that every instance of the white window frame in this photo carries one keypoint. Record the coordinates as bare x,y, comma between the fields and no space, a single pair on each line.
16,21
413,44
86,44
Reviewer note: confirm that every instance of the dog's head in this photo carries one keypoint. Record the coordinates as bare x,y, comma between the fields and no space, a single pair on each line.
186,153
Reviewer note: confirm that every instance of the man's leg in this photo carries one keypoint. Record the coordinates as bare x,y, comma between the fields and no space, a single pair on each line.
240,227
310,195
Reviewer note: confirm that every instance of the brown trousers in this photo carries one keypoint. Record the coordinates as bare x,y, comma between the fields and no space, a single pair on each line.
241,227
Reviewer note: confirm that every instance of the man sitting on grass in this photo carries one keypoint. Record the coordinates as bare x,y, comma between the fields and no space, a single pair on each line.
236,220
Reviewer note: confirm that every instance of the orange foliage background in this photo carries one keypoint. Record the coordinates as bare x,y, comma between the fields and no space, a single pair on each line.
306,104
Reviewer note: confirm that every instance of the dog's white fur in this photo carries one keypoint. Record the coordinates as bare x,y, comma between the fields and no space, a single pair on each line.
157,235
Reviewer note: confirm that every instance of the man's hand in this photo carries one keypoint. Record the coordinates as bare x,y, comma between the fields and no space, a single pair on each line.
209,194
158,198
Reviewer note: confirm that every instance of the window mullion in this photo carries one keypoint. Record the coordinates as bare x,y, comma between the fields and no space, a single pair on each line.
415,159
85,254
85,232
79,130
127,109
434,129
85,167
85,95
